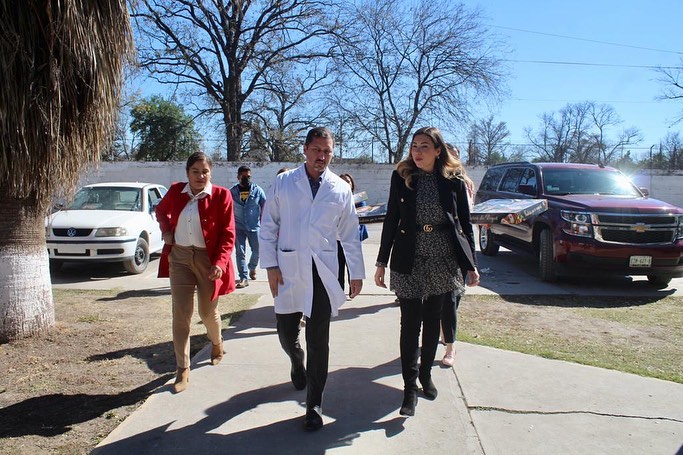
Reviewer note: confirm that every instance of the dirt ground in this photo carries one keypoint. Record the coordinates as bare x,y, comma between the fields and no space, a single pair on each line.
65,391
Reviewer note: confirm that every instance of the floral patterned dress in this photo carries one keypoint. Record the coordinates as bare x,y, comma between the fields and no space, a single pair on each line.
436,269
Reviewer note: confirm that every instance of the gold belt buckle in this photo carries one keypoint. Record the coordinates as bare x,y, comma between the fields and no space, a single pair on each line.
428,228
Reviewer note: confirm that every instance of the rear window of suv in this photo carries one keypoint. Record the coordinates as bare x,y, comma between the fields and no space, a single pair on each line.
492,179
587,181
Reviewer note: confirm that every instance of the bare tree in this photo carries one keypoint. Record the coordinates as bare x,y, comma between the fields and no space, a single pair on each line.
284,109
415,63
604,116
672,146
552,142
490,138
62,74
672,79
220,51
579,133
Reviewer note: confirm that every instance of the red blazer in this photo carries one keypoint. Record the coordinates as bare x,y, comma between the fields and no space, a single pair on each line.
218,226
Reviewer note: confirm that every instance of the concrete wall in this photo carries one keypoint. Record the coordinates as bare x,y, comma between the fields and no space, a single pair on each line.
371,178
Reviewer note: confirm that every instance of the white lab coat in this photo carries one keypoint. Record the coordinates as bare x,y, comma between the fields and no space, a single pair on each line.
297,229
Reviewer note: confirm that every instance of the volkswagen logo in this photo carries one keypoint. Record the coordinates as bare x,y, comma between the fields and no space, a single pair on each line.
71,232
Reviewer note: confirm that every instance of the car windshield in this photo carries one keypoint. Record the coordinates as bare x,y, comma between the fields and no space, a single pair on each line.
587,181
107,198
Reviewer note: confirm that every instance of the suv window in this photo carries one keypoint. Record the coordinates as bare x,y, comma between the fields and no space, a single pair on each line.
529,178
511,180
582,181
492,179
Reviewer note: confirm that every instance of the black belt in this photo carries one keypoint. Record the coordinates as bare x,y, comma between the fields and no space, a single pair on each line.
432,227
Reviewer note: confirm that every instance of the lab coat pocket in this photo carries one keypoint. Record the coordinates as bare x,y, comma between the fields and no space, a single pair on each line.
291,275
289,264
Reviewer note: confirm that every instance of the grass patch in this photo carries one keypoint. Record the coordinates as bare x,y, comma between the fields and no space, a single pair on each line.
637,335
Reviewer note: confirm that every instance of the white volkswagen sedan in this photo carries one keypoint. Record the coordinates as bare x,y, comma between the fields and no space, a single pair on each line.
107,222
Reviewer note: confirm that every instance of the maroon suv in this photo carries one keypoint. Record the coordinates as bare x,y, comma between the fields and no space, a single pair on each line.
597,222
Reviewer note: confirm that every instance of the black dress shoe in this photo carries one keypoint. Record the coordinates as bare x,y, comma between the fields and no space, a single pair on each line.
298,375
313,420
428,388
409,403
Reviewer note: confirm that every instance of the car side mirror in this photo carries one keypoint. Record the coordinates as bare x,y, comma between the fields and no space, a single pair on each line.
527,189
645,191
58,206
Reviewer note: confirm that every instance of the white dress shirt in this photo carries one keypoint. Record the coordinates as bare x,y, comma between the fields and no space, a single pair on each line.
188,231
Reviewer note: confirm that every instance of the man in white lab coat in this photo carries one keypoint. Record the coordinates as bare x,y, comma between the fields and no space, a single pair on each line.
307,210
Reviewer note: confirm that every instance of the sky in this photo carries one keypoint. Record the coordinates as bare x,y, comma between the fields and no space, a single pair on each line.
610,43
608,49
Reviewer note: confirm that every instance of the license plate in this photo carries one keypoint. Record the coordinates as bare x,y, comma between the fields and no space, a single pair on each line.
640,261
71,249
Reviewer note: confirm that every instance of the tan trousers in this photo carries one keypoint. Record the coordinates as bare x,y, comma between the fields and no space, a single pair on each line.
189,269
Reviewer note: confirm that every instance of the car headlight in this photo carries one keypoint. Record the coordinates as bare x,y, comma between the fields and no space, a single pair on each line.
679,233
111,232
579,223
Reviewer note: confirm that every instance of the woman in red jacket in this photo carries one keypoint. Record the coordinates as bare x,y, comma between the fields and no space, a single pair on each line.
198,228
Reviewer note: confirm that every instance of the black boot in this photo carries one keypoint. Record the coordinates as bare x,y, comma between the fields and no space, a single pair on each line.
428,387
409,402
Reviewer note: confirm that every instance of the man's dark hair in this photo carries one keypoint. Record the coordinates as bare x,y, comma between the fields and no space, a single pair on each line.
319,131
243,169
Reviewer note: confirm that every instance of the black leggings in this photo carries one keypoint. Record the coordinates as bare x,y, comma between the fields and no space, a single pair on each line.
449,318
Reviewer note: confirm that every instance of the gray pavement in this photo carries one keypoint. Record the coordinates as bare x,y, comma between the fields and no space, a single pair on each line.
491,402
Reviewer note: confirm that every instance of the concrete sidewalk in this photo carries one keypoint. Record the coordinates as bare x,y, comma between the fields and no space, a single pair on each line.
492,402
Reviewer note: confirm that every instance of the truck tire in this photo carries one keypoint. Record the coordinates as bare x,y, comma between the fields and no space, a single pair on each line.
138,263
487,244
659,281
546,256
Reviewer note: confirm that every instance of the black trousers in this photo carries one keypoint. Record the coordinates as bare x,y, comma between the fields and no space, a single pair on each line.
417,314
449,318
342,264
317,341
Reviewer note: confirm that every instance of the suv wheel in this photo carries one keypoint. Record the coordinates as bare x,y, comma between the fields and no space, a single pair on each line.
139,262
659,281
487,244
546,257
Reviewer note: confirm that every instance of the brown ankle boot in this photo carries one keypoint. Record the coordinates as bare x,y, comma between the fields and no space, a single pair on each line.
216,353
182,377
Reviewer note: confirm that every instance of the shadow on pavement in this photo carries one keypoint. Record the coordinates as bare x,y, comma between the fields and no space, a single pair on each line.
353,397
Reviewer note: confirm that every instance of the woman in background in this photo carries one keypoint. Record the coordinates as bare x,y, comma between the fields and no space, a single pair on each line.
362,231
449,315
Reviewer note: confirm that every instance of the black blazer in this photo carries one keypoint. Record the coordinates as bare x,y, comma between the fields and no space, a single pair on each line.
399,228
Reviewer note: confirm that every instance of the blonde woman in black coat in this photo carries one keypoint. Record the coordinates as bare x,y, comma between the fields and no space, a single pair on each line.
428,243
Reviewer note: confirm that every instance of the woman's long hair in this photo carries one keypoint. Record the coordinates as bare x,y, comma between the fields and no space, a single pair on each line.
445,164
460,171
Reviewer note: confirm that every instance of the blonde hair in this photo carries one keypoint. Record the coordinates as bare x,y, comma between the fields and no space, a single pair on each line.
460,169
445,164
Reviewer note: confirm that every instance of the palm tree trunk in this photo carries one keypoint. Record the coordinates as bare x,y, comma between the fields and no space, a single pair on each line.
26,306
